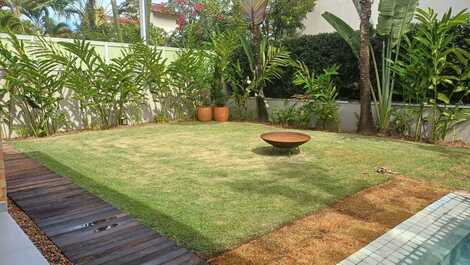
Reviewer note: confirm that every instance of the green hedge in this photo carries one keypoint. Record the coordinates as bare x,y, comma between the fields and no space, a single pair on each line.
319,52
323,50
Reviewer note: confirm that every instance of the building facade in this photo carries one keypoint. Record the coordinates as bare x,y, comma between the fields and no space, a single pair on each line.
163,17
314,22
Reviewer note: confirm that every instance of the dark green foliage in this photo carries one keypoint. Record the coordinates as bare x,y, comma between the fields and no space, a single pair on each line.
286,17
319,52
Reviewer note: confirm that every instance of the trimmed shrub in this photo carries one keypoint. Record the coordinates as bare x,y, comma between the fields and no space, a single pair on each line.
319,52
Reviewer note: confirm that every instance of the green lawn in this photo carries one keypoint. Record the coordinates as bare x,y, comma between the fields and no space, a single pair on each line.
213,186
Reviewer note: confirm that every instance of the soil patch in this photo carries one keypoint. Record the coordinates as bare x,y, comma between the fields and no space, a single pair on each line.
332,234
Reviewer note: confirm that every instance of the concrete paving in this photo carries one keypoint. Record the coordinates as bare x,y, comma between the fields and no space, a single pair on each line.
15,246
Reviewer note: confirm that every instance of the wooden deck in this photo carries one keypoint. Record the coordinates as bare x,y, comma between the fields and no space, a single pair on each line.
88,230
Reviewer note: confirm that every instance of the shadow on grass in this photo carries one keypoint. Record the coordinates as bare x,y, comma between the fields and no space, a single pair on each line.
325,187
158,221
272,151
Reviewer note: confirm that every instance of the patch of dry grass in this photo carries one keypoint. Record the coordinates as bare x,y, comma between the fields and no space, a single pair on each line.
336,232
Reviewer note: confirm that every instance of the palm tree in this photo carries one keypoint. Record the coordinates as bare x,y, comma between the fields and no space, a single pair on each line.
255,13
116,19
394,19
85,10
38,12
366,122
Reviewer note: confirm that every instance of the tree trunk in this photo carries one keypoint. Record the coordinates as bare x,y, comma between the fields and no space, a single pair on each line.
91,13
117,27
366,123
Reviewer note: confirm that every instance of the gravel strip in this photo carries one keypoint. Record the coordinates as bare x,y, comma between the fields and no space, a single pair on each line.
48,249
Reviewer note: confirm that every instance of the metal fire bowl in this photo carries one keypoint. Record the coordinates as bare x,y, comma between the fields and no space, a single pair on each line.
286,140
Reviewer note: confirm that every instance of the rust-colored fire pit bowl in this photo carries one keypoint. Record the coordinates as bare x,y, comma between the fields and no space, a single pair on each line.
285,140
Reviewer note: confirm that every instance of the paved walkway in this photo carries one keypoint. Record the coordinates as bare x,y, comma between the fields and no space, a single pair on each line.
88,230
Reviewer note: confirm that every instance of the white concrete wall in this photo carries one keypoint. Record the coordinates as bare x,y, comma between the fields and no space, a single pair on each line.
348,115
314,22
166,22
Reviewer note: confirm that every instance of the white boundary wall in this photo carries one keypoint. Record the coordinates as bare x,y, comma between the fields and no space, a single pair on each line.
348,115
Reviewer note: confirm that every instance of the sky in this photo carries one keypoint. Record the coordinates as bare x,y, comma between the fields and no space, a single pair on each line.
107,5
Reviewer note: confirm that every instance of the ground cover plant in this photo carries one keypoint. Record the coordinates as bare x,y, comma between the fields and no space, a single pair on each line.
214,193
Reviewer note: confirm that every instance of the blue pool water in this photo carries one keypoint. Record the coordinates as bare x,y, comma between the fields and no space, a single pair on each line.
460,255
437,235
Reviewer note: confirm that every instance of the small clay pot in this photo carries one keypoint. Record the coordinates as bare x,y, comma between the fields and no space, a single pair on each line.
204,114
221,114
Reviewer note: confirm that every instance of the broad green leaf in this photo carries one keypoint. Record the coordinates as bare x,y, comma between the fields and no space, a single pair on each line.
351,37
442,97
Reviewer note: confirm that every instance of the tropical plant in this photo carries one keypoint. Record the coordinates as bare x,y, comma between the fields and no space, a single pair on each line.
436,72
191,78
240,88
101,88
255,14
359,43
365,124
292,116
152,75
11,23
269,66
222,46
38,12
394,19
34,85
320,93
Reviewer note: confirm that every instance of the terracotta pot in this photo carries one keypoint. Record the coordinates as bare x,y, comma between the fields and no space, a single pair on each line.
204,114
221,114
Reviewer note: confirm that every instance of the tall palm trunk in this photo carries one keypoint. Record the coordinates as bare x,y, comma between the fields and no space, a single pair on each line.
261,106
91,13
117,27
366,123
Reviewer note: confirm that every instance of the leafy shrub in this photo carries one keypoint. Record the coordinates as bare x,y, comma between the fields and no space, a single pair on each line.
319,52
34,86
191,78
103,89
320,93
435,72
293,116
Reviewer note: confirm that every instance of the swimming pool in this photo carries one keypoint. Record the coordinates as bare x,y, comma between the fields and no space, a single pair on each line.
437,235
460,255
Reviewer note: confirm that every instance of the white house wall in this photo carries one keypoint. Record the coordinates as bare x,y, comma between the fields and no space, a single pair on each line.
314,23
166,22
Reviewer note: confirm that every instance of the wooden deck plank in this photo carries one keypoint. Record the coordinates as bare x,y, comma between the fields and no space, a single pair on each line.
88,230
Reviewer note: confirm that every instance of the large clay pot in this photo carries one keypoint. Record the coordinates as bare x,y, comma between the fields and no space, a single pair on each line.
221,114
204,114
